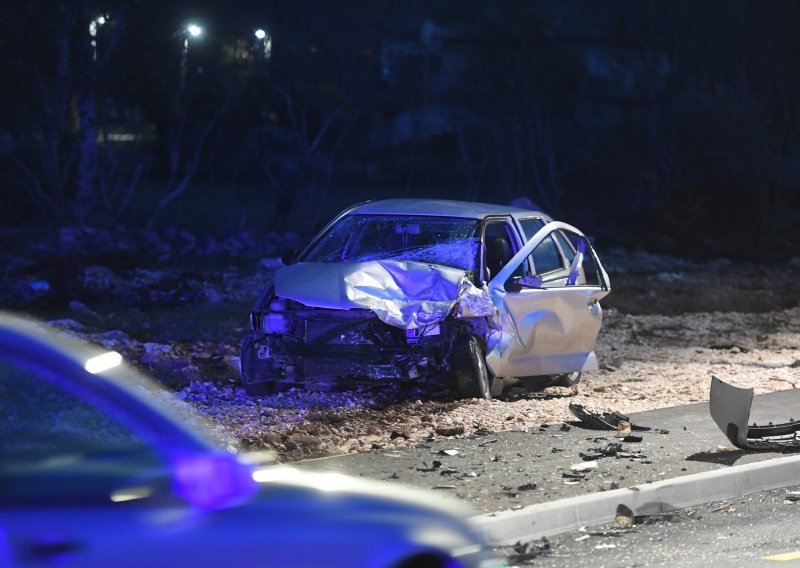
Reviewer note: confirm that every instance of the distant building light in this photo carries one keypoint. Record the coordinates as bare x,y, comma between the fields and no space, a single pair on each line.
260,34
194,30
117,137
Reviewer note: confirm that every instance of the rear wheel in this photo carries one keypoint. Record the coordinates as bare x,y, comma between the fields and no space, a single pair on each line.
471,376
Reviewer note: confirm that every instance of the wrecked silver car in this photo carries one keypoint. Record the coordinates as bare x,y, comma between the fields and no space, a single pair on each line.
458,293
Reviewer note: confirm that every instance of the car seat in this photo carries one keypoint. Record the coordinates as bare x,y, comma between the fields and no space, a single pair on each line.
498,253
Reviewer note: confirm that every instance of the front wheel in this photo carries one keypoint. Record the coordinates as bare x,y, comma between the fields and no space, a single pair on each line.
472,377
567,380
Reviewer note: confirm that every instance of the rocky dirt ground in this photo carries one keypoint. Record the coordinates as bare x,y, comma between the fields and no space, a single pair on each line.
176,306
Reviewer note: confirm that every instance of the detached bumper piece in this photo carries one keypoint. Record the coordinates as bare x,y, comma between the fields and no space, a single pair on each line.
730,409
597,420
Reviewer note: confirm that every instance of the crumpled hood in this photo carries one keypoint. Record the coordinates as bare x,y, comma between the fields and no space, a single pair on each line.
404,294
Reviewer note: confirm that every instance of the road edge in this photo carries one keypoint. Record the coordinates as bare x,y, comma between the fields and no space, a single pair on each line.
565,515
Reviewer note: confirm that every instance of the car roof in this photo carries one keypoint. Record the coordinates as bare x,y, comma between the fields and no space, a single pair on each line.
440,208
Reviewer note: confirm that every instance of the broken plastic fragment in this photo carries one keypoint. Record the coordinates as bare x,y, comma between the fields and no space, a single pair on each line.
603,421
624,516
730,409
583,466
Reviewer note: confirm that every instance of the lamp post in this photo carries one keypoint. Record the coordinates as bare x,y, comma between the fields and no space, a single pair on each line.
264,43
192,31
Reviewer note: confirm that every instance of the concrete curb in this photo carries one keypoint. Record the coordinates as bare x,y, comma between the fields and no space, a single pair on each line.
564,515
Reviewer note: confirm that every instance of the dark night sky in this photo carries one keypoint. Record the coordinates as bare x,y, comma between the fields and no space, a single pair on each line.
639,120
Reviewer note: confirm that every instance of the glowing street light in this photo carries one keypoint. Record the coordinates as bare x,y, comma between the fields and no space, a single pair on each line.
264,42
194,30
95,25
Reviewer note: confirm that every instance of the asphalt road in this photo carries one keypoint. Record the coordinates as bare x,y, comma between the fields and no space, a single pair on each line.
762,529
497,471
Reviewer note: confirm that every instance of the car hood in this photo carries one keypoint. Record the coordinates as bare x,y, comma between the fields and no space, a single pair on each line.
403,294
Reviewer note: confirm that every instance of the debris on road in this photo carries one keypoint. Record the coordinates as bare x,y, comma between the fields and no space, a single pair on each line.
623,429
583,466
730,409
522,552
624,516
614,421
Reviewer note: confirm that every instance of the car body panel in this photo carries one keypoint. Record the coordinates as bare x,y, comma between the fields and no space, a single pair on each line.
184,501
403,294
545,331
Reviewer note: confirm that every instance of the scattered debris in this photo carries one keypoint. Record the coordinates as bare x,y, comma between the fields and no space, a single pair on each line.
604,421
583,466
527,487
448,452
605,546
434,466
721,508
730,409
624,516
525,551
623,429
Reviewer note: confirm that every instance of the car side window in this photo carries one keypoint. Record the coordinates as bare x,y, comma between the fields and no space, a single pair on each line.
56,447
531,226
584,270
561,259
546,257
566,247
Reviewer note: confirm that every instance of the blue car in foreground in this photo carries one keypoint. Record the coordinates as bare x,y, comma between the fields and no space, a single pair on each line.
99,467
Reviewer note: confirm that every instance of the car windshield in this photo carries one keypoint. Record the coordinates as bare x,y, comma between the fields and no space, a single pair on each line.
448,241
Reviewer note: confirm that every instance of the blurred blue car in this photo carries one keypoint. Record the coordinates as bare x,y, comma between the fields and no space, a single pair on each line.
98,467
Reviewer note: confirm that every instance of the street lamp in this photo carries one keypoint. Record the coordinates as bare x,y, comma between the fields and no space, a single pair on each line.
192,31
264,41
95,25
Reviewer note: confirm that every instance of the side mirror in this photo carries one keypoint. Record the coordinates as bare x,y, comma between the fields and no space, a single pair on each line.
531,281
515,283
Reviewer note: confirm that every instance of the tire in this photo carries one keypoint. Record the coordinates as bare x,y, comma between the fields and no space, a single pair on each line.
256,375
541,382
567,380
471,376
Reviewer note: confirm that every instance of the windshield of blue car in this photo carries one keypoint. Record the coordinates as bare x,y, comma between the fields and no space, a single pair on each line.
447,241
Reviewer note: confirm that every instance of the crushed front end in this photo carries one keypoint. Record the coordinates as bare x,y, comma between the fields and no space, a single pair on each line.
294,344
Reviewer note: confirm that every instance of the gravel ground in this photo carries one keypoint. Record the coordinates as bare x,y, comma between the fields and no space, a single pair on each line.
648,362
669,325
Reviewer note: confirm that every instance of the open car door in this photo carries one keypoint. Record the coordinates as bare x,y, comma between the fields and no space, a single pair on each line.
550,317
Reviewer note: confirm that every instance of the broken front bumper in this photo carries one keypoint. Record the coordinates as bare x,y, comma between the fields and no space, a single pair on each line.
319,345
730,409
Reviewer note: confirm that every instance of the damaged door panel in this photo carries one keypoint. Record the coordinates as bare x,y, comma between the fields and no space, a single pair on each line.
730,410
552,319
